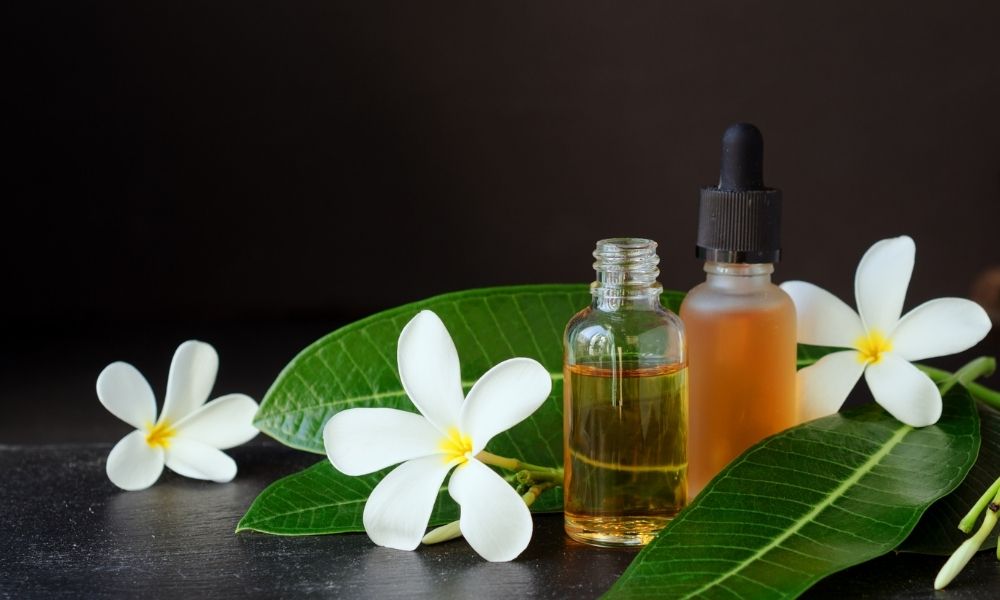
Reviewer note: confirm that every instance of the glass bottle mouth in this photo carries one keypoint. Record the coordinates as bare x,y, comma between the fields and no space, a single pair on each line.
626,267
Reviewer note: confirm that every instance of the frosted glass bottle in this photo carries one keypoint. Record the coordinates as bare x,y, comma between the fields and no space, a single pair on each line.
740,326
741,353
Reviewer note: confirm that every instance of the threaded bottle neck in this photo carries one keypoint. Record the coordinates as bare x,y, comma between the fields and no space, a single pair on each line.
626,269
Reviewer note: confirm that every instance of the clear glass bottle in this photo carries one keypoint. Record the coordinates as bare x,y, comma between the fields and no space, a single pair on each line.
625,403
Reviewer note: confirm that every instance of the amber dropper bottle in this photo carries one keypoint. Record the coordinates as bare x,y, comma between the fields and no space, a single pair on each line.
625,410
740,327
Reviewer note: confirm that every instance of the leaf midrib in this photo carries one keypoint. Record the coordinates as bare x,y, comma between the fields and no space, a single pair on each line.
832,497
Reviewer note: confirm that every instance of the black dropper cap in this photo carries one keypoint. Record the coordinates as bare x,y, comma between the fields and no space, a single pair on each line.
740,220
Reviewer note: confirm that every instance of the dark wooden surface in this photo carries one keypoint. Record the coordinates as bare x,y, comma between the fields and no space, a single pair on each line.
66,532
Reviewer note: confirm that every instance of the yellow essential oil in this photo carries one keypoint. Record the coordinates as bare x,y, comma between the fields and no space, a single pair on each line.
625,452
625,403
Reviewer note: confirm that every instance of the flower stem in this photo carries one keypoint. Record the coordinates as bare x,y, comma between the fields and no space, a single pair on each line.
970,519
452,530
537,473
980,367
535,491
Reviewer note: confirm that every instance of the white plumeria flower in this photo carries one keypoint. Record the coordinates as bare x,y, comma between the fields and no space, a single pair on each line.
189,436
883,344
452,431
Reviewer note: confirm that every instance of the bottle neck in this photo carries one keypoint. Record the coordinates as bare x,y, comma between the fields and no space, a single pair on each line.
626,275
738,276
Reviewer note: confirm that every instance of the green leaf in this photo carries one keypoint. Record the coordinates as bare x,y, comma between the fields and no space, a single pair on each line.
356,366
805,503
321,500
938,531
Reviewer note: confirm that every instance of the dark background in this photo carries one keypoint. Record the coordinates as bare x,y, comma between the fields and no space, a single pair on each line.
254,174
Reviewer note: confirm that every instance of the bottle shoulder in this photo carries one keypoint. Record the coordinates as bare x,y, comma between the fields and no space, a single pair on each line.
655,336
713,297
627,321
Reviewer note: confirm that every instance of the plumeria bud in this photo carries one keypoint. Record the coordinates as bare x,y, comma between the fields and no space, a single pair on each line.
442,533
967,550
956,563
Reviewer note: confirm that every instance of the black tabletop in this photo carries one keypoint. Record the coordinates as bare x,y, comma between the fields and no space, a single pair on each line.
69,533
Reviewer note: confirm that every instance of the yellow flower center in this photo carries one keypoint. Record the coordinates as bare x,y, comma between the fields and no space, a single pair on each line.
159,434
457,447
872,346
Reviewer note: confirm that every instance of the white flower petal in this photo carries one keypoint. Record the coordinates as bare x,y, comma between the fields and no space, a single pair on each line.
363,440
495,520
133,464
939,328
503,397
429,369
823,319
192,375
223,423
881,280
123,390
824,386
198,460
399,507
904,391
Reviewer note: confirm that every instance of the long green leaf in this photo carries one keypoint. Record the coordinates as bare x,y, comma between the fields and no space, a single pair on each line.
938,531
320,500
805,503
